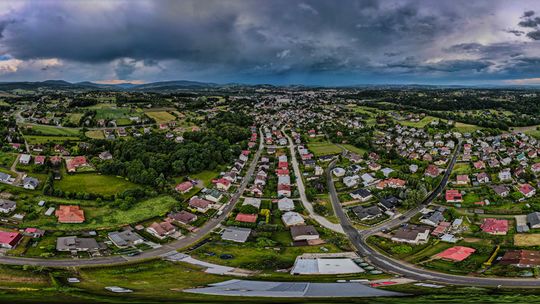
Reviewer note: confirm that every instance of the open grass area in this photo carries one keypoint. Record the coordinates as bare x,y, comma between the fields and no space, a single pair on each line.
38,139
95,134
463,127
6,159
110,111
526,239
323,148
53,130
94,183
418,124
354,149
75,118
462,168
160,116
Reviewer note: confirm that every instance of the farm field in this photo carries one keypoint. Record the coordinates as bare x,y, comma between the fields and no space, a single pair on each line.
93,183
463,127
354,149
419,124
38,139
525,239
52,130
75,118
95,134
160,116
109,111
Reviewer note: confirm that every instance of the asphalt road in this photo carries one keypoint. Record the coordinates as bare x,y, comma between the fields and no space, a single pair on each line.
189,240
390,265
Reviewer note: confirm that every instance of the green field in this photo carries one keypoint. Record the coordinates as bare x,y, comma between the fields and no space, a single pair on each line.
75,118
109,111
323,148
463,127
94,183
38,139
54,131
7,159
160,116
354,149
95,134
419,124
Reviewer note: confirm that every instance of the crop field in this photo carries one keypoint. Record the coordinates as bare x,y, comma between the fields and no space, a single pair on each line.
94,183
160,116
525,239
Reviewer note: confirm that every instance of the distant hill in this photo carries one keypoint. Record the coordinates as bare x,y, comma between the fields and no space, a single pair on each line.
87,85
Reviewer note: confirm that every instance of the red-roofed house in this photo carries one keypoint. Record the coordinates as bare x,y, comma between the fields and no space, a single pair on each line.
199,204
184,187
222,184
161,230
69,214
73,163
284,190
527,190
283,165
494,226
462,179
453,196
246,218
535,168
432,171
56,160
9,239
456,254
479,165
39,160
282,172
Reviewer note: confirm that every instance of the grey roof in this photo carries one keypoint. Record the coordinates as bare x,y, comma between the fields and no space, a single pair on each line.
435,217
362,192
533,218
236,234
389,202
297,231
363,212
71,243
31,180
124,238
7,204
4,176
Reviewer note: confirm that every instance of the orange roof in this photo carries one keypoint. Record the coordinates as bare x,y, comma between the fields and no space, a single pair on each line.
70,214
246,218
456,254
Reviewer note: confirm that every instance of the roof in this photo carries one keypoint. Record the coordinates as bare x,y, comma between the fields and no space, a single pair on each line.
9,238
491,225
73,243
162,228
292,218
533,218
297,231
198,202
236,234
185,186
69,214
410,232
456,254
361,192
364,212
521,257
7,204
183,217
124,238
246,218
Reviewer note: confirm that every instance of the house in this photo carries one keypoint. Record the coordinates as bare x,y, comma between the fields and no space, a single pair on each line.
521,258
362,195
456,253
199,204
412,235
505,175
479,165
432,171
494,226
105,155
304,233
72,164
4,177
126,238
462,179
25,159
391,183
213,195
39,160
7,206
34,232
69,214
30,183
182,217
453,196
9,240
527,190
285,204
184,187
255,202
350,181
55,160
236,234
76,244
338,172
256,190
284,190
389,203
482,178
292,218
284,180
246,218
161,230
318,171
432,219
533,220
222,184
501,190
366,213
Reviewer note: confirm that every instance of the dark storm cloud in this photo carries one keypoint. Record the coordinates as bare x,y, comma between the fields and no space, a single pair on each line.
534,35
234,37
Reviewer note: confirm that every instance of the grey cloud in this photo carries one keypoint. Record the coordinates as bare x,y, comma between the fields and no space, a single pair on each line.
125,67
528,23
528,14
534,35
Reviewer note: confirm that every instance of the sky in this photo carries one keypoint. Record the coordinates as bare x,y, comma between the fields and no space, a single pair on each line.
471,42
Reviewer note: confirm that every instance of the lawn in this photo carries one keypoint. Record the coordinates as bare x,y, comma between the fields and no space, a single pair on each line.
38,139
160,116
75,118
7,159
524,239
110,111
104,217
463,127
354,149
462,168
95,134
94,183
323,148
418,124
52,130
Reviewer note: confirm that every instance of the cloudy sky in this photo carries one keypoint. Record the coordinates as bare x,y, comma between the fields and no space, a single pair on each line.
272,41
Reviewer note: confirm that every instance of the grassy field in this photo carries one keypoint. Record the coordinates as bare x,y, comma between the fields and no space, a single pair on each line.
94,183
160,116
524,239
54,131
354,149
7,159
75,118
462,168
323,148
38,139
109,111
463,127
418,124
104,217
95,134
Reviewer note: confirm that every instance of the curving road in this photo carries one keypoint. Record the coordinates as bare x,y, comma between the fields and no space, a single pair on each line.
153,253
391,265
